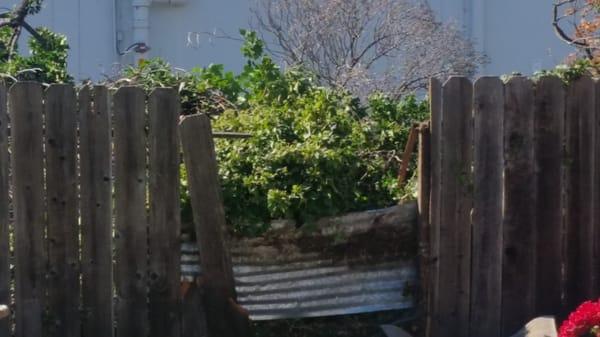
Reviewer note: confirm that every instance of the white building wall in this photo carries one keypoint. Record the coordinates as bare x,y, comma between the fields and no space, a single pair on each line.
94,28
516,35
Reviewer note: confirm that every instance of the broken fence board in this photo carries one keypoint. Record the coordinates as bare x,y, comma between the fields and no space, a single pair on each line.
223,317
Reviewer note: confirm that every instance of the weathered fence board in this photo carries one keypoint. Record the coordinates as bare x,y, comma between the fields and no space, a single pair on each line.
534,211
549,134
595,272
131,228
488,163
456,202
77,274
224,318
96,212
424,233
518,275
578,185
164,220
61,198
25,101
435,106
4,221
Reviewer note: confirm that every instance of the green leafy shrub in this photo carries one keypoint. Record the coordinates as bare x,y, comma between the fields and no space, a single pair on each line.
316,155
570,72
313,151
46,63
206,90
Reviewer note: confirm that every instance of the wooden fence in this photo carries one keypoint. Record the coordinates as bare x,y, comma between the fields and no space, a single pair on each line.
510,183
91,181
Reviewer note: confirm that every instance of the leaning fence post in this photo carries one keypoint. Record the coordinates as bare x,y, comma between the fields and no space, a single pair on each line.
224,317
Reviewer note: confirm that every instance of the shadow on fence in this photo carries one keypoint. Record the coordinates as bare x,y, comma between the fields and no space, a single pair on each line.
510,187
75,274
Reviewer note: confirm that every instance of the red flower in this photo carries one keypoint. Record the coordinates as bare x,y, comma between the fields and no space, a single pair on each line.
582,322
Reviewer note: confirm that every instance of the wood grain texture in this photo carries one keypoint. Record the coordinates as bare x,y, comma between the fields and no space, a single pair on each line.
413,139
96,212
193,316
596,196
131,228
424,188
488,163
456,204
5,330
549,111
61,196
435,106
579,191
209,219
518,264
25,101
165,223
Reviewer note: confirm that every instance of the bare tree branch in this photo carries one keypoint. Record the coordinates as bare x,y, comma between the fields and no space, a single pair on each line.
16,20
392,46
575,14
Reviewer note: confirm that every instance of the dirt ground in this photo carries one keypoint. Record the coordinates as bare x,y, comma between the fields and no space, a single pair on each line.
366,325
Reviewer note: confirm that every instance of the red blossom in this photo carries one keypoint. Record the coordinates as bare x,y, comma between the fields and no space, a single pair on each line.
583,321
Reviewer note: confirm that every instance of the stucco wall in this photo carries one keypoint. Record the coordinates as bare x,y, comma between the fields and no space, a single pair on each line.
92,35
515,34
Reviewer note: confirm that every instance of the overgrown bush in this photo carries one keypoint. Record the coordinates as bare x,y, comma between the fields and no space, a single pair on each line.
46,63
313,152
318,154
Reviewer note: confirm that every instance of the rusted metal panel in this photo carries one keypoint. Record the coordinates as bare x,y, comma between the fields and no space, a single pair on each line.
365,265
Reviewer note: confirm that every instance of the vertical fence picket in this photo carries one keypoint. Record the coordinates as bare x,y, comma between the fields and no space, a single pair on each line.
518,272
165,224
61,197
456,203
486,292
4,220
224,318
549,118
579,183
424,188
596,196
25,102
130,212
435,106
96,215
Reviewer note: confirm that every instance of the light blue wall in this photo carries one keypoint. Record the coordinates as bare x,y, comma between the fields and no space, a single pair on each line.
515,34
89,31
171,27
92,35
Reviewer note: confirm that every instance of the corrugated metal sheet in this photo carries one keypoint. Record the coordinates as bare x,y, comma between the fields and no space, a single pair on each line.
276,279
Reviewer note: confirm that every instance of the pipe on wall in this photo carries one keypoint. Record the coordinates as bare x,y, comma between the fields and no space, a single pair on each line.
141,25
